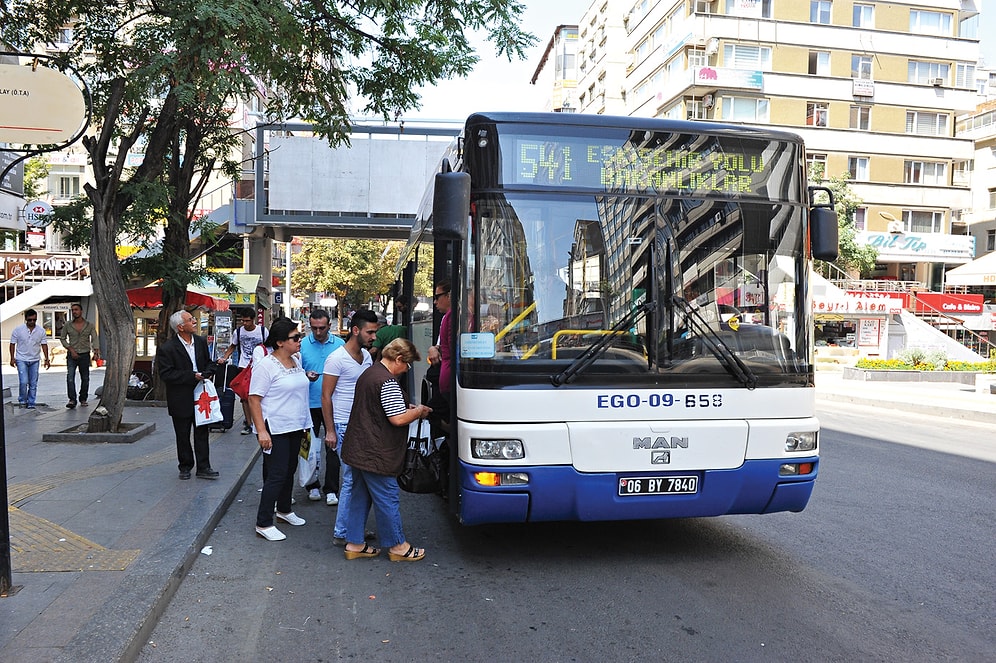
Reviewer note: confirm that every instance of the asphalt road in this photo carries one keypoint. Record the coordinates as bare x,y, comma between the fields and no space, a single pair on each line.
892,561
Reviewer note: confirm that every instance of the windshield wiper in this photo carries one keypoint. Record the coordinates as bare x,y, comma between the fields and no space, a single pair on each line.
588,357
728,358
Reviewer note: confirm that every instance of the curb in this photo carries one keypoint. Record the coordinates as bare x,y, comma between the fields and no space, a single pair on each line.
121,627
945,411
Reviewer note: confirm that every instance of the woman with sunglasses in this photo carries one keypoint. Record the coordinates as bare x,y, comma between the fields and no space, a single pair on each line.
374,448
278,404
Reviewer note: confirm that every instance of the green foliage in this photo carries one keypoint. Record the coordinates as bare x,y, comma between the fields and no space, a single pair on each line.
853,256
35,178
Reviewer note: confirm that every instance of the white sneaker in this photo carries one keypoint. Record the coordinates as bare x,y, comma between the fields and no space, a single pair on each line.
271,533
314,494
290,518
331,499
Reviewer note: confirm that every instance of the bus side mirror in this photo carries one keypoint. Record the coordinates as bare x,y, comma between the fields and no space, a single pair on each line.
823,239
451,206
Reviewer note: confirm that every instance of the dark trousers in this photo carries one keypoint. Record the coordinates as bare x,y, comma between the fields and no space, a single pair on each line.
82,363
332,467
186,457
279,467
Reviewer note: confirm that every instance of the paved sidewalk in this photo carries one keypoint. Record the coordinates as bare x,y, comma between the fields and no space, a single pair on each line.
102,534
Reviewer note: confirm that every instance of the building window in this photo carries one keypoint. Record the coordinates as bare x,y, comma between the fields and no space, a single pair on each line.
930,23
819,63
819,11
927,73
965,75
921,123
962,175
926,172
859,217
861,67
69,186
816,167
740,56
817,113
864,16
991,240
695,110
860,117
915,221
697,58
745,109
992,198
755,9
857,169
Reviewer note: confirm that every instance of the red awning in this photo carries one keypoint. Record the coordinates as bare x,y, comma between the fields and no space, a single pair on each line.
152,297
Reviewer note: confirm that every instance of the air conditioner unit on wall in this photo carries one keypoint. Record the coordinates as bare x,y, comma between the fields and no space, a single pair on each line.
708,101
938,82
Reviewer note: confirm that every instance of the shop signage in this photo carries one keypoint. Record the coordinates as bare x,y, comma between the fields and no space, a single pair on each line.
933,302
39,267
919,247
880,303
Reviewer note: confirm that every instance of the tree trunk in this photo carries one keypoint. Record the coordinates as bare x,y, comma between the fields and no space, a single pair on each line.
117,324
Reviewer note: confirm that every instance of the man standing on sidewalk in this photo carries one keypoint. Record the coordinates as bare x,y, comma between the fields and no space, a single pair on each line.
27,343
315,349
342,369
183,361
79,338
244,341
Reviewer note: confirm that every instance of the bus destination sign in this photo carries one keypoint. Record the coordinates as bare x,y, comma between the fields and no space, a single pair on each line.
738,169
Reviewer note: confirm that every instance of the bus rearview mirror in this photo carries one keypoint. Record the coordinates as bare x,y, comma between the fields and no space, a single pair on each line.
823,237
451,206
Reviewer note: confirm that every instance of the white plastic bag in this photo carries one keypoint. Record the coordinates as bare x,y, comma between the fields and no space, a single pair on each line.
207,406
308,459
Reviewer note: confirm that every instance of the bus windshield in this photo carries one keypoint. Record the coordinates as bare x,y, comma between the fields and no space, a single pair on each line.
629,289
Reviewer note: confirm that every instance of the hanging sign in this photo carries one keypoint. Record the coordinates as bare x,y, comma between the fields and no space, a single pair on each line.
38,106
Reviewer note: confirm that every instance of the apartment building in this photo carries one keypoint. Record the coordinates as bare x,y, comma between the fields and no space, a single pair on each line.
874,88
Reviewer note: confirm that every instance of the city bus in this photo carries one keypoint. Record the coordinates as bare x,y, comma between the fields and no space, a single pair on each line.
631,320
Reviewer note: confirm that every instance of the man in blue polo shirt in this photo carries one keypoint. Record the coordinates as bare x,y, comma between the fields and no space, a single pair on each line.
314,349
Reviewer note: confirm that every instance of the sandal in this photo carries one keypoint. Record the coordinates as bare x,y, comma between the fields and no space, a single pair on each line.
368,551
413,554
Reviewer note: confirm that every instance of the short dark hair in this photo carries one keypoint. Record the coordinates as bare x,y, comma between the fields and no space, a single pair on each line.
360,317
29,312
246,313
442,283
280,330
318,314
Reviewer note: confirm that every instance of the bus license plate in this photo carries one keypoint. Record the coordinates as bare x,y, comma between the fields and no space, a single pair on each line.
658,486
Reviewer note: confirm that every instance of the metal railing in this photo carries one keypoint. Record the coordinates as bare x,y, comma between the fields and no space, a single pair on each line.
952,326
29,278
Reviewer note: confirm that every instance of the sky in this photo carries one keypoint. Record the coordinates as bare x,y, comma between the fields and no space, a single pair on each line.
497,84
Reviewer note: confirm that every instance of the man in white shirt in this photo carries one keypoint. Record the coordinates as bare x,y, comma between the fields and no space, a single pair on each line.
342,369
244,340
27,343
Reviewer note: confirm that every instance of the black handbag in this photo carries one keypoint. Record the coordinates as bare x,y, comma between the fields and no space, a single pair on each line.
423,469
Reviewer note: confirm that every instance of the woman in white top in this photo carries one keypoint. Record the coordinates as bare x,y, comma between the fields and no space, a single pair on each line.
278,404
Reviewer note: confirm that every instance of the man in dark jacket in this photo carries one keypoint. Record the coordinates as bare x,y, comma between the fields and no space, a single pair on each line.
182,362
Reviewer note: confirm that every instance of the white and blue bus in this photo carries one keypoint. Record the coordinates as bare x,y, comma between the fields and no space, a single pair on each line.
631,317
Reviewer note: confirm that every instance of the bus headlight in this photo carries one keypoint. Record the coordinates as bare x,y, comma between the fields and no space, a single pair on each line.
801,441
496,449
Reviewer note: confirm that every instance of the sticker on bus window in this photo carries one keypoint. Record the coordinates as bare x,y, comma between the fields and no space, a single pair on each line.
480,345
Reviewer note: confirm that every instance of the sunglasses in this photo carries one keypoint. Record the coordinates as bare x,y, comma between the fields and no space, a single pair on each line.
295,337
438,295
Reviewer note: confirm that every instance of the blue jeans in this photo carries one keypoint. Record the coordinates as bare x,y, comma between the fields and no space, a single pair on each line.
82,363
383,494
339,531
27,379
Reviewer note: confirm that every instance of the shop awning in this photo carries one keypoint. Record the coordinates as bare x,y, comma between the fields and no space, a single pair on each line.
152,297
981,271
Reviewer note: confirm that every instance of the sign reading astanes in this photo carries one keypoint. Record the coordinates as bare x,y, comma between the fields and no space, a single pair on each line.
38,106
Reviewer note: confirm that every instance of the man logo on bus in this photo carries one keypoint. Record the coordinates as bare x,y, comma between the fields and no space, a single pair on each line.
660,443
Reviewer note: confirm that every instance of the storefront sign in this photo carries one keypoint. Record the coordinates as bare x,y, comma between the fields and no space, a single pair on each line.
40,106
39,267
869,331
933,302
880,303
919,247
